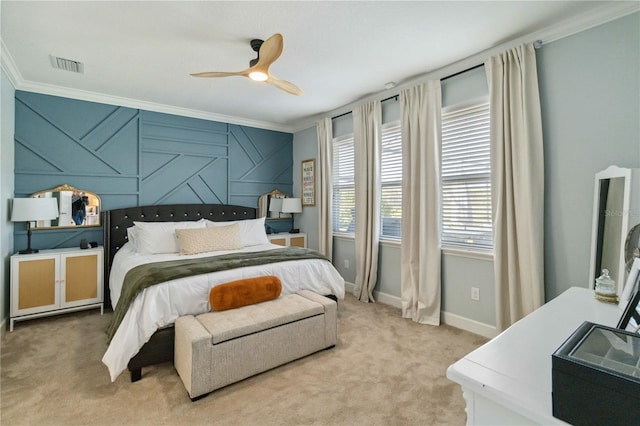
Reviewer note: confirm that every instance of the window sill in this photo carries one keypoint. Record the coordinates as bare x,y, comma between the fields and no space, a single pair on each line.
345,237
390,242
469,254
383,241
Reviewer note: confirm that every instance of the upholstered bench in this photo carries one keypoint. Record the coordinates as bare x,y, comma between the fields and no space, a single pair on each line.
218,348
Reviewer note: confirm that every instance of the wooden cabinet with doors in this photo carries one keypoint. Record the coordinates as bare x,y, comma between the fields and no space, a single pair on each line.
55,281
289,240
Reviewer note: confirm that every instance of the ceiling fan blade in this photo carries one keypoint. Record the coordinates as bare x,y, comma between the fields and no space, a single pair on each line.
285,85
270,50
219,74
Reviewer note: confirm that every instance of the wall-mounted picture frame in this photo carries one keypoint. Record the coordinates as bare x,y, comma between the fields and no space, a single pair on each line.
309,182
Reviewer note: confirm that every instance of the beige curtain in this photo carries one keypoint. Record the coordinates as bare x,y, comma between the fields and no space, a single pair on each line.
517,184
420,252
367,134
324,129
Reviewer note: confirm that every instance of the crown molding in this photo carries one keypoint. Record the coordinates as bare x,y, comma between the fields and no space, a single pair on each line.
84,95
566,28
9,66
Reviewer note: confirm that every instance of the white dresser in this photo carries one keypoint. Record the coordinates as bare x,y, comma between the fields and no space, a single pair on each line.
507,381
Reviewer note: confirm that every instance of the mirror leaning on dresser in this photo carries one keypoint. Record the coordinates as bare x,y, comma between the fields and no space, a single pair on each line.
616,210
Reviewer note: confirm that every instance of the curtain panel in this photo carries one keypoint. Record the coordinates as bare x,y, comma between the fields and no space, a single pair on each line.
367,135
324,130
517,183
420,110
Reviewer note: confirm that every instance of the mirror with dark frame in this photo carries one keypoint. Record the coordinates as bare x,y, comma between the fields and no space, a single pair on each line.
76,208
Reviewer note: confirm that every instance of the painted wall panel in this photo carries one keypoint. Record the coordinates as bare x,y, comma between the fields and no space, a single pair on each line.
30,183
117,148
258,162
133,157
69,115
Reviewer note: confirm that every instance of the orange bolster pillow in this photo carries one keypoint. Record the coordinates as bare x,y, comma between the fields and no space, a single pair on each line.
239,293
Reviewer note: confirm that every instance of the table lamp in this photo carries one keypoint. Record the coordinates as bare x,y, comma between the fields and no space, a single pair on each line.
275,205
31,210
292,205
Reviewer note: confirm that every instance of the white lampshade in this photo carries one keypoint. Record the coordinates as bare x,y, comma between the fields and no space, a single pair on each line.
291,205
275,205
32,209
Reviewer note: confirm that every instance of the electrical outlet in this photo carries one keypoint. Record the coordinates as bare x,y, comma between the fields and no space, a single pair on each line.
475,293
346,264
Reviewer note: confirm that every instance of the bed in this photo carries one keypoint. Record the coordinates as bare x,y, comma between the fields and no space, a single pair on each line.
145,335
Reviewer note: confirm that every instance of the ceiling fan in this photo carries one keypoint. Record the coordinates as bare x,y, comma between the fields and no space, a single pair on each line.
268,51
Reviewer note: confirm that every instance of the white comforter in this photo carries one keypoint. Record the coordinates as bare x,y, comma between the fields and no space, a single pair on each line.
159,305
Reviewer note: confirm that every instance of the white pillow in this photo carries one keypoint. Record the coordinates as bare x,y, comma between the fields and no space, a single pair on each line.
131,236
252,232
194,241
160,237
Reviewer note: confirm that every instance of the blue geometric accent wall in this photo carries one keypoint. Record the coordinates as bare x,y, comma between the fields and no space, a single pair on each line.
133,157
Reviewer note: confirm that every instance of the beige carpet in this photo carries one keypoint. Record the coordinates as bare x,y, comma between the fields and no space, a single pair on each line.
385,370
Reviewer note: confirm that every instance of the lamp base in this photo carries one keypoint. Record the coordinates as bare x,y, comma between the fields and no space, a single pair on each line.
28,251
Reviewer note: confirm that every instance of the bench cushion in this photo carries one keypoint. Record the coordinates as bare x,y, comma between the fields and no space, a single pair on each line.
234,323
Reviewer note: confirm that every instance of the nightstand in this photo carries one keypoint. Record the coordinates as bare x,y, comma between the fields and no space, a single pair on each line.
52,282
289,240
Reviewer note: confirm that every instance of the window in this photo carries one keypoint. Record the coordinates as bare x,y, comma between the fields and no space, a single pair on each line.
344,190
466,178
391,181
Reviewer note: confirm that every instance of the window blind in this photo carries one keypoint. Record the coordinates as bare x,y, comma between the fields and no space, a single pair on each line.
391,181
344,191
466,178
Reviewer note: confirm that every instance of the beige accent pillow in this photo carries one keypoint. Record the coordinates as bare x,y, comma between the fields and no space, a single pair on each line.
193,241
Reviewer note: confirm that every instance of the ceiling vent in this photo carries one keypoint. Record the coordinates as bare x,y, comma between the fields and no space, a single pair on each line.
67,64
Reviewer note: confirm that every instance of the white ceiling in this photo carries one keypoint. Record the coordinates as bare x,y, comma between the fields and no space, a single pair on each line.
140,54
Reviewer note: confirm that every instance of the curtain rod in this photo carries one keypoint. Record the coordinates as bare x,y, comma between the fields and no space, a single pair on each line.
349,112
536,44
396,96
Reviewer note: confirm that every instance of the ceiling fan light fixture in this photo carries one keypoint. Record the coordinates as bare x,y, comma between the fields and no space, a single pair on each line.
258,76
268,52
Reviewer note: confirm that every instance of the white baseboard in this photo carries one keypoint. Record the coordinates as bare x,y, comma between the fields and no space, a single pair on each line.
457,321
472,326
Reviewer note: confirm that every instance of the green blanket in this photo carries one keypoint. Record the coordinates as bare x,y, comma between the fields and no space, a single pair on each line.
143,276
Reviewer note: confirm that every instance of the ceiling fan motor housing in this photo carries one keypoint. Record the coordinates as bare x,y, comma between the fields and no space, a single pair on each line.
255,45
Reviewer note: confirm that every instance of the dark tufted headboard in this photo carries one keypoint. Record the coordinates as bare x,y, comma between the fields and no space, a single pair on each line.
116,222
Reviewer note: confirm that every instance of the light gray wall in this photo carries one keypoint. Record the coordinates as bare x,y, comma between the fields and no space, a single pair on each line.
590,96
469,86
305,146
7,120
